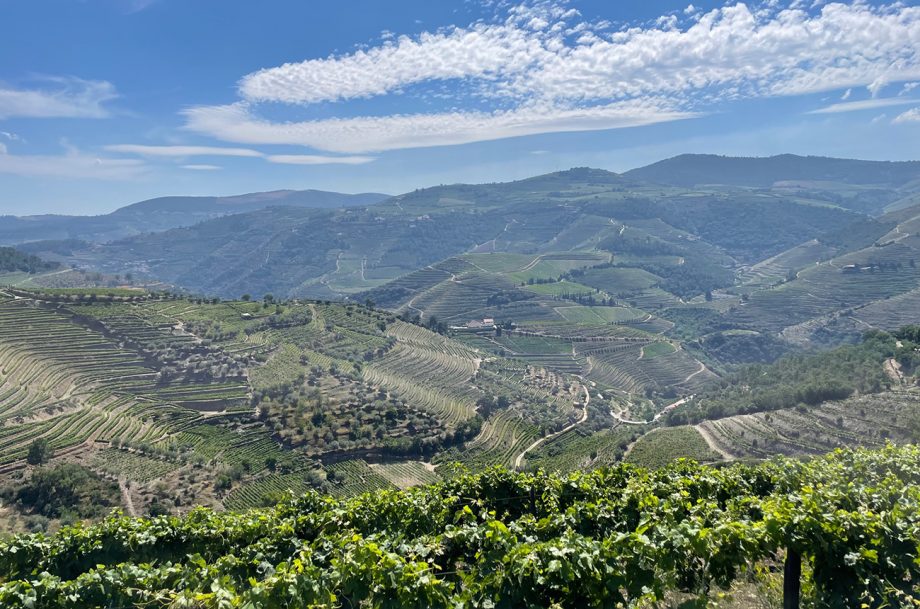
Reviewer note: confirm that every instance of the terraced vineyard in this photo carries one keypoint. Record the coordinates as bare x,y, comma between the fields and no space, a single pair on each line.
407,474
867,420
70,385
661,446
502,439
627,366
246,398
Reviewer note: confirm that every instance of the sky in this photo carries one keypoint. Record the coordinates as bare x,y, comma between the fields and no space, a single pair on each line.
108,102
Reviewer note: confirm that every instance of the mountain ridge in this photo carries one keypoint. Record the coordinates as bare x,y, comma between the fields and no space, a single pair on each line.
164,213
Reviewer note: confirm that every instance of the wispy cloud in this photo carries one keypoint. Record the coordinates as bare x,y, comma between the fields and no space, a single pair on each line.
57,97
911,116
542,68
189,151
74,165
865,104
314,159
379,133
182,151
198,167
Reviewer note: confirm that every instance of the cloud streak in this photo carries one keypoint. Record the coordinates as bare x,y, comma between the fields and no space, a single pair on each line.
199,167
866,104
189,151
73,165
314,159
375,134
181,151
60,97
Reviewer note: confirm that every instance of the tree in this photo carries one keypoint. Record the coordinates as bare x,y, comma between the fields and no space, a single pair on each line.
39,452
246,298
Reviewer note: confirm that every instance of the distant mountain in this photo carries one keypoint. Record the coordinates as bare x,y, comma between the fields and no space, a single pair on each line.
164,213
692,169
248,202
691,239
866,186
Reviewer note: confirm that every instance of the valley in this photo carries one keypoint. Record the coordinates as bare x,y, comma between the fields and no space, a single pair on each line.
567,322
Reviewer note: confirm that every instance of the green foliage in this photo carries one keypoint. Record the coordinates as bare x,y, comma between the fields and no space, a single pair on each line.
14,260
794,380
614,537
39,452
66,489
660,447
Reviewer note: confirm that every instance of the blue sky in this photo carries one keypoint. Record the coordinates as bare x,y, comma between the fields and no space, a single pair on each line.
106,102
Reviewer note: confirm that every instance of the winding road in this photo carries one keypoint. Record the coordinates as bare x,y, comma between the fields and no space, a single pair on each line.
584,417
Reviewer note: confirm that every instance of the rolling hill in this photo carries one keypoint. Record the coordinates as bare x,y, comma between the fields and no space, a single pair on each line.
333,253
164,213
568,321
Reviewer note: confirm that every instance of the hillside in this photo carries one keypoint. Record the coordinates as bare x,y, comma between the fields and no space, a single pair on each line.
567,322
13,260
191,401
865,281
164,213
196,402
299,252
867,186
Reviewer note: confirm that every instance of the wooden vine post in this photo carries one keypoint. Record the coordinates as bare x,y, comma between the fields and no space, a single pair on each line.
792,580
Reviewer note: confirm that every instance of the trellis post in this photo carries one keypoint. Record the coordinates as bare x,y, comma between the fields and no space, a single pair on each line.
792,579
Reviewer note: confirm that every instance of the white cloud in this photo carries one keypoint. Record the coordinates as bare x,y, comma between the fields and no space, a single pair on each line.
908,87
483,51
544,69
876,86
846,94
315,159
11,136
202,167
2,148
182,151
59,98
911,116
865,104
377,133
74,165
187,151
